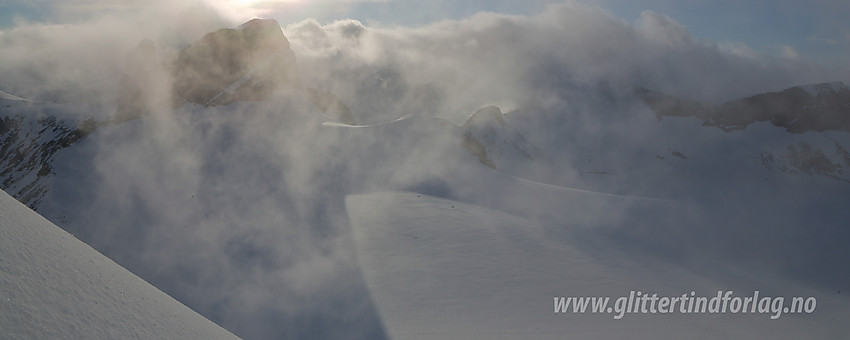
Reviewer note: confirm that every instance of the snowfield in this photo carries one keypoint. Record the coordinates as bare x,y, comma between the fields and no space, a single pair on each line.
53,286
444,269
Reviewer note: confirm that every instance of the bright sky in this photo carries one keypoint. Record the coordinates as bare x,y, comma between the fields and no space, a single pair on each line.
816,30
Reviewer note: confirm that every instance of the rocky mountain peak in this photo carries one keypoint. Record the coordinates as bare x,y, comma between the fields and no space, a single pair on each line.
245,63
251,62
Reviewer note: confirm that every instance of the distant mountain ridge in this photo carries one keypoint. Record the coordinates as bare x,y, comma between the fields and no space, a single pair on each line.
801,109
819,107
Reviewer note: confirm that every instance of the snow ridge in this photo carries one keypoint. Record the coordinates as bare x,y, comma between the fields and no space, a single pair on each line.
54,286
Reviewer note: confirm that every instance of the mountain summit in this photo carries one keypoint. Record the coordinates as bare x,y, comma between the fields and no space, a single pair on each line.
252,62
228,65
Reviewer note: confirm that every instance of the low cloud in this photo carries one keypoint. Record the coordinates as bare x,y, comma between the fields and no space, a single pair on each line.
501,59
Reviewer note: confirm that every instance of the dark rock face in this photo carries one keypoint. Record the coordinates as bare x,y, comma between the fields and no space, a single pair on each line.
820,107
27,148
242,64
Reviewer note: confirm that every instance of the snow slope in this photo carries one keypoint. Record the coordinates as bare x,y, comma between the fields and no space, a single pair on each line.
444,269
53,286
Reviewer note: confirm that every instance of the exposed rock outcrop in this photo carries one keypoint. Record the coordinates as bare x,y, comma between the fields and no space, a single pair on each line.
27,148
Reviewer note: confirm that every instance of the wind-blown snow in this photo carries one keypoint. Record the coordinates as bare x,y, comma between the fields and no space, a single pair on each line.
54,286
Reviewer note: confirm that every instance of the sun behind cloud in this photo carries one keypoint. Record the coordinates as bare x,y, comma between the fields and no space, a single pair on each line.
242,10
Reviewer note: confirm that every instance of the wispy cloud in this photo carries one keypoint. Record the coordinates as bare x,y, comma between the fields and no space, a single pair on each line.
817,39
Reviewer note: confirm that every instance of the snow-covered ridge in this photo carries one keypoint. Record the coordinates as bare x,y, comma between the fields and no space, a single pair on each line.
8,96
54,286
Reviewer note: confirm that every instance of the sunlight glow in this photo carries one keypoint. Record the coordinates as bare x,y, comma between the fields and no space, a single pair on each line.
240,10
